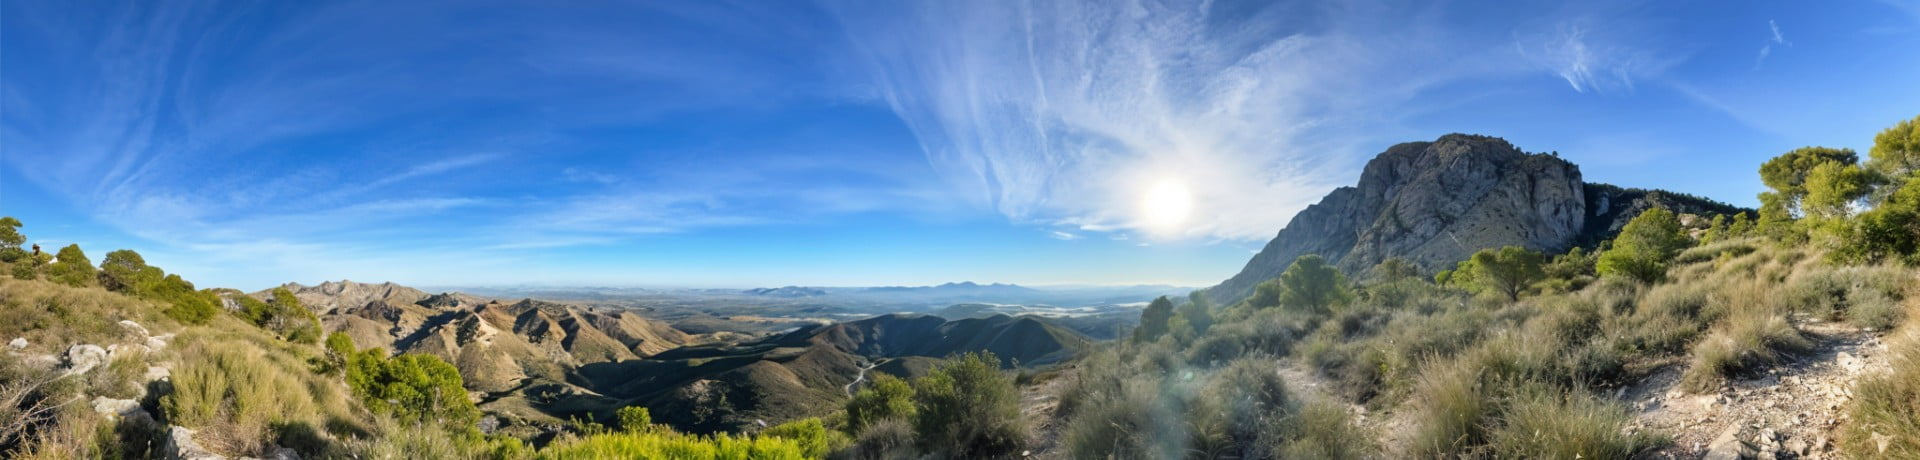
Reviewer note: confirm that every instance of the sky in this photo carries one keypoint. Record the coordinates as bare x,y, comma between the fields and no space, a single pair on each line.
741,144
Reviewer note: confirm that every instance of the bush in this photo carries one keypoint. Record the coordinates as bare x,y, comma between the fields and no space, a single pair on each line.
239,395
889,439
1451,412
1542,422
886,398
1751,338
1131,422
634,418
411,387
815,440
968,408
666,444
1886,406
1325,431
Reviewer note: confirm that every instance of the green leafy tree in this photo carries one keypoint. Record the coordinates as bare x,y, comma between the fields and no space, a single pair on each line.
886,397
1645,246
126,272
969,408
1896,150
72,268
1832,189
1154,320
1890,231
1575,263
411,387
1787,174
1310,284
288,317
1197,312
1395,269
10,240
1508,271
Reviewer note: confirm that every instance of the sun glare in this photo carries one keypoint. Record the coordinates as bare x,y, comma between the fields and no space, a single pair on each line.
1165,205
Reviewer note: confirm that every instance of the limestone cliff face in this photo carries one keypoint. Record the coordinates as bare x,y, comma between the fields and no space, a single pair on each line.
1433,203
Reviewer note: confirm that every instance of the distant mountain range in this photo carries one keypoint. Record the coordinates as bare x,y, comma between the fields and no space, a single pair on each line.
1435,203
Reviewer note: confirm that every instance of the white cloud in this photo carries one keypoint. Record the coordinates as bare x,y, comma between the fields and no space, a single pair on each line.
1592,53
1061,113
1767,49
1062,236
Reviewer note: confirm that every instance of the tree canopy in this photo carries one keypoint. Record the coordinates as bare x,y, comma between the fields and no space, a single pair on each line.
71,267
1154,320
1308,284
1509,270
1645,246
1896,150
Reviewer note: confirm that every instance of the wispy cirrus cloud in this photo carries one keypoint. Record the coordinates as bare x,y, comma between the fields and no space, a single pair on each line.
1776,38
1064,113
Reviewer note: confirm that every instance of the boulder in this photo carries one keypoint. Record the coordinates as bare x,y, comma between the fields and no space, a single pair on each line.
135,328
83,358
18,343
181,446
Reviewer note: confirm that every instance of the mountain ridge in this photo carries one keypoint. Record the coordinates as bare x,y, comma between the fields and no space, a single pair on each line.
1436,202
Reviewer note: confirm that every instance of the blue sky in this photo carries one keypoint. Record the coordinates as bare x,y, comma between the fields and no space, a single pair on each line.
247,144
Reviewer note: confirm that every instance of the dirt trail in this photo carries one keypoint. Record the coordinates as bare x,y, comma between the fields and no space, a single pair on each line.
1791,411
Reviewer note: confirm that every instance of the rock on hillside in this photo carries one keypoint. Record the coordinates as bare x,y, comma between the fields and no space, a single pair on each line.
1435,203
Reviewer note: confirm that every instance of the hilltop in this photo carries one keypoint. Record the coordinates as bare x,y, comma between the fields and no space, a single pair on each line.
1434,203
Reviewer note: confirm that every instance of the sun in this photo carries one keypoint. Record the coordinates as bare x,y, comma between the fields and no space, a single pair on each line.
1165,205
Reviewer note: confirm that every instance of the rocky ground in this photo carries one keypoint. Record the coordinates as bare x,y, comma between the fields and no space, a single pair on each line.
1791,411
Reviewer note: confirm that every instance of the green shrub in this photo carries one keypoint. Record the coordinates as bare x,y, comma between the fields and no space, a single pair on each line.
888,439
968,408
815,440
1451,411
666,444
1134,421
1886,406
1750,339
411,387
634,418
1324,430
886,398
1541,422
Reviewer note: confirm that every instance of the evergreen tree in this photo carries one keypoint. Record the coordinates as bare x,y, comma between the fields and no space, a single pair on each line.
1154,320
1645,246
1312,285
1508,271
10,240
1896,151
72,268
1198,312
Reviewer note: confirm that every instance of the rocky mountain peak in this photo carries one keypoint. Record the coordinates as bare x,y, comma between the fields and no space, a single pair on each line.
1435,203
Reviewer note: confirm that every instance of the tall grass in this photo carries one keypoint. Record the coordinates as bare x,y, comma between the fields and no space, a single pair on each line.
1884,416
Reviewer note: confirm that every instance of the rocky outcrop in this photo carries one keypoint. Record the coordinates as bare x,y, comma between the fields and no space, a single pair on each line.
1432,203
1435,203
